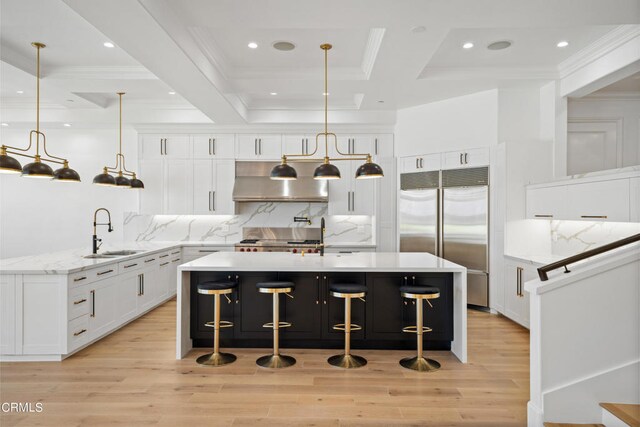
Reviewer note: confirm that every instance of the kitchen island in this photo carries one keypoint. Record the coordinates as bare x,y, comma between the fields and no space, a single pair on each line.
313,311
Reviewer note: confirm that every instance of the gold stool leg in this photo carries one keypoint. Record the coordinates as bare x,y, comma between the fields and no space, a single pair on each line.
419,363
216,358
347,360
276,360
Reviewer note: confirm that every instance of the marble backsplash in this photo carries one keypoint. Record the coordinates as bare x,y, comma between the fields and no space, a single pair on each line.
572,237
345,229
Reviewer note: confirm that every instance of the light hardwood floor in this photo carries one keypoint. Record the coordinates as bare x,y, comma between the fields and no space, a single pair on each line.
131,378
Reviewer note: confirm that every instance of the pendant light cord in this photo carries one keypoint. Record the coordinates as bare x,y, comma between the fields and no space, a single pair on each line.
37,45
326,101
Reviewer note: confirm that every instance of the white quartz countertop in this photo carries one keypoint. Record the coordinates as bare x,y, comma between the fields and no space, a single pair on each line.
360,262
538,259
72,260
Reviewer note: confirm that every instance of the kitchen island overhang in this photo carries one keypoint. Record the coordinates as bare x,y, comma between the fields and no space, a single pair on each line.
376,264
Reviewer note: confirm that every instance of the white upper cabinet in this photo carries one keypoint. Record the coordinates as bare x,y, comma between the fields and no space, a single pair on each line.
351,196
167,185
212,186
214,146
383,146
299,144
151,172
349,144
546,202
634,200
156,146
466,158
259,147
599,201
430,162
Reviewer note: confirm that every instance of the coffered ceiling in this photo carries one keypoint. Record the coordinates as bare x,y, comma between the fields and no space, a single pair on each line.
387,54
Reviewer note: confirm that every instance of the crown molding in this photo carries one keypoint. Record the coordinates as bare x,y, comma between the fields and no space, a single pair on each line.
607,43
134,72
610,96
490,73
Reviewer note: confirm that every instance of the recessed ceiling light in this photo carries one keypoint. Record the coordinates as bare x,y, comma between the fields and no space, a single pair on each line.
172,92
19,92
418,29
283,46
467,45
253,45
108,44
499,45
273,93
67,125
326,93
563,43
5,124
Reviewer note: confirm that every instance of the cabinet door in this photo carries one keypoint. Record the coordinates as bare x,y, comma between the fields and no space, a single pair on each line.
385,307
515,298
634,200
599,201
256,308
177,147
304,310
203,306
148,289
164,279
177,184
453,160
382,146
333,307
362,144
439,317
344,145
213,146
247,147
296,144
203,173
340,191
152,146
128,288
152,196
270,147
363,197
476,157
222,195
547,202
410,164
104,302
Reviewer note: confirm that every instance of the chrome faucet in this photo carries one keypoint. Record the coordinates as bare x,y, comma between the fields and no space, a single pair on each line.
95,239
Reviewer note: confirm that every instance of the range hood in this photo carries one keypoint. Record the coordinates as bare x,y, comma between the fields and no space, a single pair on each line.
252,184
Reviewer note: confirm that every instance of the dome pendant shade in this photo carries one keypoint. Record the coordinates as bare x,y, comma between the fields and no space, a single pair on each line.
369,170
104,179
122,181
66,174
37,169
136,184
326,171
8,164
283,172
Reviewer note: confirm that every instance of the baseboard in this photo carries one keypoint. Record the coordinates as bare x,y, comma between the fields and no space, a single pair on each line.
534,415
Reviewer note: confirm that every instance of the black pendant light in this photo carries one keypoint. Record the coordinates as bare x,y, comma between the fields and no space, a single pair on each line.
369,170
104,179
283,172
326,170
37,168
9,165
120,180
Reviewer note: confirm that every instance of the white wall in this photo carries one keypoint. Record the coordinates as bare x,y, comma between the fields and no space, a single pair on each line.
38,216
625,110
463,122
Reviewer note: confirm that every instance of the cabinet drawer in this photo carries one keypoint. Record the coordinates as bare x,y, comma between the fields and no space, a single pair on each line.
79,302
130,265
204,251
77,333
88,276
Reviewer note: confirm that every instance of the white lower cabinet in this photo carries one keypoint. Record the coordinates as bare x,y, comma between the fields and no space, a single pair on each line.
50,316
516,299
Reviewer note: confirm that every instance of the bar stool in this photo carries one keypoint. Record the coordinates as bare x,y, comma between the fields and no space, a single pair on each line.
276,360
216,289
419,293
347,291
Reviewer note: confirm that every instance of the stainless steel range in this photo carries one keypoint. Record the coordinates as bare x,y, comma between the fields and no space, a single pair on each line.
279,239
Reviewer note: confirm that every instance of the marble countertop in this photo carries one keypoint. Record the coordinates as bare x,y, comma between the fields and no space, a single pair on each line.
361,262
72,260
538,259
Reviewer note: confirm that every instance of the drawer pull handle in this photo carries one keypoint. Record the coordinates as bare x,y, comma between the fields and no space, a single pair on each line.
209,250
149,260
163,256
543,216
175,260
105,272
79,279
164,263
130,265
75,334
80,301
175,253
594,216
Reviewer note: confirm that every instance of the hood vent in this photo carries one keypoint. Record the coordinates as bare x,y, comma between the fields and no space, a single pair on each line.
253,184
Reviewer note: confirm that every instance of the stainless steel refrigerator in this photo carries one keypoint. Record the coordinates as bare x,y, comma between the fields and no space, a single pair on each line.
446,213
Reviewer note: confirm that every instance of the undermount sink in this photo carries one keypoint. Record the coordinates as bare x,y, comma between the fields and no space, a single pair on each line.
112,254
120,253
